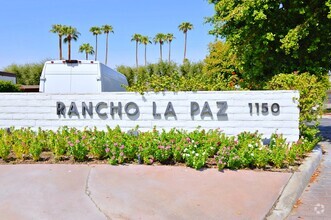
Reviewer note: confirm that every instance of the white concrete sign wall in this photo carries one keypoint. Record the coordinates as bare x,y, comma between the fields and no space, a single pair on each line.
231,111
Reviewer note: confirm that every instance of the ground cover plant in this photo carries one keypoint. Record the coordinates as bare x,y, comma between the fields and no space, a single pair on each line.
196,149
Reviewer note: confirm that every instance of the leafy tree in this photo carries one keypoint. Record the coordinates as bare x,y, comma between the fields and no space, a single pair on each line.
96,31
71,33
87,49
169,39
160,38
185,26
58,29
106,30
145,40
270,37
220,60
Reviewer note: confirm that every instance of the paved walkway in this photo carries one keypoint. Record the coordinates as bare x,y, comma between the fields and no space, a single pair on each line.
53,191
315,202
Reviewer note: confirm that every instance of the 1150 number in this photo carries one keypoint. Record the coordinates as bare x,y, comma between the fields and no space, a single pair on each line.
274,108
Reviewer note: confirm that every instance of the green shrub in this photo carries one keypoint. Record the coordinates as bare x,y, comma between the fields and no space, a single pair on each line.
57,142
6,86
26,74
165,76
21,142
197,149
5,144
312,96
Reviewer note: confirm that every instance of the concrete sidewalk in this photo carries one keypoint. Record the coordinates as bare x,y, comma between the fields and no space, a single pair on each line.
315,202
55,191
135,192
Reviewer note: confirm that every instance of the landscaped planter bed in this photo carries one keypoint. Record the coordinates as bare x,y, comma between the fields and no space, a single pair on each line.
195,149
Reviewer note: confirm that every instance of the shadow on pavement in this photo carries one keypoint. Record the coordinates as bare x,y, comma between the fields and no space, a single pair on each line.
325,132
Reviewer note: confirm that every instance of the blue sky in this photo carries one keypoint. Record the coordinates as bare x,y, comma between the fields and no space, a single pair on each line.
25,26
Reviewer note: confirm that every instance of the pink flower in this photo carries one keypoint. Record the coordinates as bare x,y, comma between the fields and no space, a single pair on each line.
71,144
83,137
77,141
151,161
161,147
121,154
188,139
122,146
168,147
107,150
115,144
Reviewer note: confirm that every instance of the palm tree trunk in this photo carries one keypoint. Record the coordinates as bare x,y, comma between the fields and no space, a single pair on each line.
169,50
96,47
69,49
145,54
137,54
86,56
106,49
60,46
161,52
185,46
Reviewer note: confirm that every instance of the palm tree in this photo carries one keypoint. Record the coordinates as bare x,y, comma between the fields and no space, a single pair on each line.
137,38
160,38
145,40
169,38
185,26
87,49
106,30
58,29
71,33
96,31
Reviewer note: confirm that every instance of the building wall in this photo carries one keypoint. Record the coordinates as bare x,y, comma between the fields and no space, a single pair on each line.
43,110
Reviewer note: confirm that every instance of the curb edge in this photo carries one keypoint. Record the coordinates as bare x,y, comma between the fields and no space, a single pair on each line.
296,185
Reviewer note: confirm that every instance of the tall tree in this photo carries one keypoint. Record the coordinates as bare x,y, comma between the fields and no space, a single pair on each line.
58,29
145,40
106,30
271,37
87,49
71,33
96,31
137,38
185,26
169,39
160,38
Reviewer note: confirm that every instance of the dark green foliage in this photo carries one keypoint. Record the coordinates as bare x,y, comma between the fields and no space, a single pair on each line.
272,37
6,86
